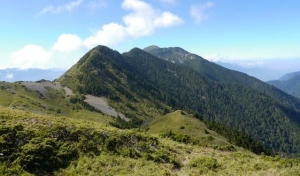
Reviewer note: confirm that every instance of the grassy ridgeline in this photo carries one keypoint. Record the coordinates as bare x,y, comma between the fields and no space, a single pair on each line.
33,144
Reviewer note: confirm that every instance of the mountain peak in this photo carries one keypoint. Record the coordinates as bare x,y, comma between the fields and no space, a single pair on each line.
150,48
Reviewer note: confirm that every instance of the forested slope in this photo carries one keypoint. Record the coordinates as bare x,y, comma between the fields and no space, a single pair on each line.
220,74
142,86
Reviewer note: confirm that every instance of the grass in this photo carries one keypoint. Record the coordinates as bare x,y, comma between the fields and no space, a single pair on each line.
181,122
119,154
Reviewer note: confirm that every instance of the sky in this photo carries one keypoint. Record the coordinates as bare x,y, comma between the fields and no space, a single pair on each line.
57,33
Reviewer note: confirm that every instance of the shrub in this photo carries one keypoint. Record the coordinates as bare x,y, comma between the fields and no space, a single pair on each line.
205,164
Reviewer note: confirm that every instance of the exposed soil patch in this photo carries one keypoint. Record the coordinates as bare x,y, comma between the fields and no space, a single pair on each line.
100,104
40,86
68,91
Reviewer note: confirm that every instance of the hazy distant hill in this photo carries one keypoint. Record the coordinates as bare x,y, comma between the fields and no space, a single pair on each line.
262,73
290,83
12,75
142,86
288,76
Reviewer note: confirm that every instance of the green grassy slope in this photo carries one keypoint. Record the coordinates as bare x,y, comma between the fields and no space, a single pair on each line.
55,102
182,123
104,72
32,144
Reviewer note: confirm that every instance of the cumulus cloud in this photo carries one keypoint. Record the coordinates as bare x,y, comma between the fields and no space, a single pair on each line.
143,20
67,43
31,56
110,34
197,12
62,8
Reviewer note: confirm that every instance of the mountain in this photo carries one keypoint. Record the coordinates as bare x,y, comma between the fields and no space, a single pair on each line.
218,73
289,83
142,86
14,74
68,126
263,73
288,76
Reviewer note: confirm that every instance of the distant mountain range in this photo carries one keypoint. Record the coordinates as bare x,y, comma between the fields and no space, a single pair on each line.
262,73
14,74
288,76
289,83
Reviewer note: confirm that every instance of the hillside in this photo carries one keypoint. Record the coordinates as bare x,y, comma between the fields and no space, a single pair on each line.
34,144
142,86
289,84
181,123
220,74
44,97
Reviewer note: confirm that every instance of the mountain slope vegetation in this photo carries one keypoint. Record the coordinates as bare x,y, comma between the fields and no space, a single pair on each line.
142,86
184,124
220,74
32,144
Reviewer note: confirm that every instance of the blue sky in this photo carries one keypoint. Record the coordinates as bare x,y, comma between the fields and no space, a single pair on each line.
55,34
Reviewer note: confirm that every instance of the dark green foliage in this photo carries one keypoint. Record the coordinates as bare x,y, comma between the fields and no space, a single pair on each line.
122,124
46,149
209,163
230,104
225,148
220,74
238,138
266,114
186,139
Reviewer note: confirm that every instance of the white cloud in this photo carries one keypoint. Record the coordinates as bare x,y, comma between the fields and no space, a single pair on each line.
67,43
167,19
110,34
62,8
197,12
142,21
9,76
31,56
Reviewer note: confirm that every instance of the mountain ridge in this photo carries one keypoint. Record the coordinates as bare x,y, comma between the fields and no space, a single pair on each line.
142,86
221,74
